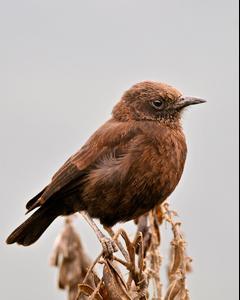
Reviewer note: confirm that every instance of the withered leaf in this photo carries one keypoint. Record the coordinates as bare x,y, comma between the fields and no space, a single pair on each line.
70,258
130,247
159,214
157,231
114,282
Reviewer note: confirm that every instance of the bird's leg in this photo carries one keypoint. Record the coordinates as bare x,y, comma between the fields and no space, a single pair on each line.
109,246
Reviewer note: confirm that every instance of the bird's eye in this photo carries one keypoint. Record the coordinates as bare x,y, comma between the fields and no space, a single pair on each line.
158,104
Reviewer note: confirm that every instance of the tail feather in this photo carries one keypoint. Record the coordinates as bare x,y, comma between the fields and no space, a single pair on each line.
31,230
33,201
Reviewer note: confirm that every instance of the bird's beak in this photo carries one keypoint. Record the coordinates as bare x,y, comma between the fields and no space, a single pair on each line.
187,101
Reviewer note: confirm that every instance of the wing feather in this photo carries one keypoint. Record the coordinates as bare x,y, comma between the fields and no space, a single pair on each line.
102,143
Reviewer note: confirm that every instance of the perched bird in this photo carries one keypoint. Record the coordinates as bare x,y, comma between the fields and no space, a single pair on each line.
130,164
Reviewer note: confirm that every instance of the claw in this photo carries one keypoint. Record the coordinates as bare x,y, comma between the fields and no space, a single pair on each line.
109,247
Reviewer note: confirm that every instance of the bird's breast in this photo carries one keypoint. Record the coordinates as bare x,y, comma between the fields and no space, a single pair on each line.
124,187
171,154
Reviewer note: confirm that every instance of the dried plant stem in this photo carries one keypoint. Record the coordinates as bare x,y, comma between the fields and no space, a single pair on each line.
96,290
180,263
91,268
141,260
123,262
155,258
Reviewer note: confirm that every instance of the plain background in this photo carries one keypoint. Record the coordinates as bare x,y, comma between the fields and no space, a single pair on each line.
64,64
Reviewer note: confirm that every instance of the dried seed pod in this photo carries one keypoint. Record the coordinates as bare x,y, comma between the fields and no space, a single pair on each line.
70,258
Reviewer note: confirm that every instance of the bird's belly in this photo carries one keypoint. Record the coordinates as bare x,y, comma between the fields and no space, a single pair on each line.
121,203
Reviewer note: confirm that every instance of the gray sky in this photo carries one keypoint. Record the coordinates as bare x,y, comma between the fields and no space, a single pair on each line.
64,64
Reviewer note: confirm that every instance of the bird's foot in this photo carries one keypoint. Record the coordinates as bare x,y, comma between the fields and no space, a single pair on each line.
109,247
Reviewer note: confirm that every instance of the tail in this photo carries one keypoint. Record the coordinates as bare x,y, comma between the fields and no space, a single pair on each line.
31,230
34,203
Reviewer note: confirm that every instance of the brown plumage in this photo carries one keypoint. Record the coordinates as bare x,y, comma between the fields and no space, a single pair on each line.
130,164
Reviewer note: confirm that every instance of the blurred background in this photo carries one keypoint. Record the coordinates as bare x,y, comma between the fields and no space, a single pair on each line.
64,64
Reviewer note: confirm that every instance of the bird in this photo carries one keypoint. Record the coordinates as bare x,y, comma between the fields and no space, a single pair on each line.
131,164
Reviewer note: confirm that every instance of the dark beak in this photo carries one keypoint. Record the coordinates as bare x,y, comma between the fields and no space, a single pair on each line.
187,101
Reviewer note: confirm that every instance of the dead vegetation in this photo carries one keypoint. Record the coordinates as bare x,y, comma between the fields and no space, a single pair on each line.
134,272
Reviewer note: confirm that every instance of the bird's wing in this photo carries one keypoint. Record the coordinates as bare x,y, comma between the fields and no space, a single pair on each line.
106,138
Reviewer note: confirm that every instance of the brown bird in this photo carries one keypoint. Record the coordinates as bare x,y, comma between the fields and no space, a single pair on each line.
130,164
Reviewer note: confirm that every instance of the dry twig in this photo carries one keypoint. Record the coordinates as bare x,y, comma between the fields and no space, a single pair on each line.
141,261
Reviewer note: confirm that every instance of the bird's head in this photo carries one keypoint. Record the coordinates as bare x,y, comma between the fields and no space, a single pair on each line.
152,101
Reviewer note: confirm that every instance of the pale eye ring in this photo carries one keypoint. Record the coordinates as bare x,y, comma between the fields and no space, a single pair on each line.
158,104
